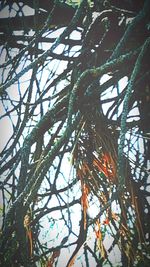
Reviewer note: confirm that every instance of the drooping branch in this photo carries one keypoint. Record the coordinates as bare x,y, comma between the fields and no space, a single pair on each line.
127,97
95,73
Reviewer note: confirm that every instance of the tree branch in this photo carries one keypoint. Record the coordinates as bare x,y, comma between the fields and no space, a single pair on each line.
125,112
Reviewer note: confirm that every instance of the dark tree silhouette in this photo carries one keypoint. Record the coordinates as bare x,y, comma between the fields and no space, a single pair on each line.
75,98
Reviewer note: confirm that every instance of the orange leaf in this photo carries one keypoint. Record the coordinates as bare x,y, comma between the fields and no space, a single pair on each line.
97,230
79,174
72,261
106,165
52,258
106,221
84,201
114,216
99,239
28,232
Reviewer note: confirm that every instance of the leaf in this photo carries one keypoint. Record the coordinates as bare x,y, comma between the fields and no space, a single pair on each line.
106,221
51,260
84,201
99,239
72,261
97,230
114,216
106,165
101,248
28,232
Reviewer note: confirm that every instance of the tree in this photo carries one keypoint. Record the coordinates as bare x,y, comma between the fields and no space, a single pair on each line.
75,163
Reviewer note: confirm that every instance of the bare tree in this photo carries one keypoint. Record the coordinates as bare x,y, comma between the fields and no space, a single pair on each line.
75,95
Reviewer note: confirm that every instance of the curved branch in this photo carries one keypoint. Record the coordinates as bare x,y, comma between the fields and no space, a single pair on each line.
125,112
95,73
